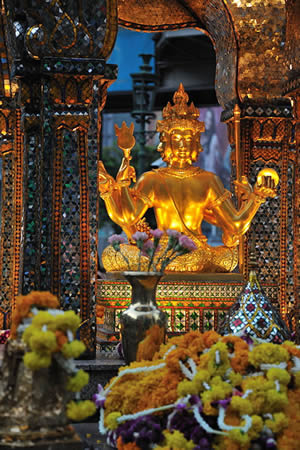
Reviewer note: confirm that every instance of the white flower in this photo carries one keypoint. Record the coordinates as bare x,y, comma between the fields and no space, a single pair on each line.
296,362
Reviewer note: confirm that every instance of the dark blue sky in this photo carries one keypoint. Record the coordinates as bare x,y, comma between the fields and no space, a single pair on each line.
128,46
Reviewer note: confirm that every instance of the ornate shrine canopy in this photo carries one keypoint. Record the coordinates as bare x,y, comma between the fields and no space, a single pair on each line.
255,40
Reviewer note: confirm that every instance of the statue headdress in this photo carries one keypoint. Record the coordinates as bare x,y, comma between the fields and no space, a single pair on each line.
180,115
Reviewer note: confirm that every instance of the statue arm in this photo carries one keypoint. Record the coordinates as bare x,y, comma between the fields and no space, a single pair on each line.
126,206
136,201
233,222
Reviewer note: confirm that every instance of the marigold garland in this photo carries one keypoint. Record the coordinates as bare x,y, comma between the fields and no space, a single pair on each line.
223,392
50,334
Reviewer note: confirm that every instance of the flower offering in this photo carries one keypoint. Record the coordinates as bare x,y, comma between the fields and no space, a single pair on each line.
151,257
50,337
206,391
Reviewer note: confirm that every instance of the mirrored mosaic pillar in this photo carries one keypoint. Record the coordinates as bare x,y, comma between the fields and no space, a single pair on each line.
268,140
58,54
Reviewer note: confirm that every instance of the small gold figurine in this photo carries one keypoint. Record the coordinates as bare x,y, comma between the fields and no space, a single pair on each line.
181,194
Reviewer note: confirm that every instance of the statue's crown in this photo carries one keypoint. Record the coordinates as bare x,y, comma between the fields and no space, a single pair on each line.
180,115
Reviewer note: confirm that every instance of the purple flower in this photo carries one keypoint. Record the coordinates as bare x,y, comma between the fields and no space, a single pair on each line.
271,443
173,234
115,240
157,234
140,236
186,243
224,402
144,431
180,406
195,400
148,248
99,398
247,338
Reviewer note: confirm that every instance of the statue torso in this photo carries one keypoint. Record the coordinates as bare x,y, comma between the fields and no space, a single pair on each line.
179,197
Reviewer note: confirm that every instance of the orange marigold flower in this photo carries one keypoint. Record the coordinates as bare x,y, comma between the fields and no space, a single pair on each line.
61,339
173,358
234,343
231,417
290,437
210,338
150,345
291,348
239,362
190,337
197,347
128,446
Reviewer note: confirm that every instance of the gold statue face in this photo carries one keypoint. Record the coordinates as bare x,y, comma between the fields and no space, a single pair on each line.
180,147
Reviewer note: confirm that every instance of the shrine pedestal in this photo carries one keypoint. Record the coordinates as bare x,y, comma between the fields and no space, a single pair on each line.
191,301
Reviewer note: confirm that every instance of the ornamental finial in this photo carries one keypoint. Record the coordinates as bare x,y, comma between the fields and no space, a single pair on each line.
180,115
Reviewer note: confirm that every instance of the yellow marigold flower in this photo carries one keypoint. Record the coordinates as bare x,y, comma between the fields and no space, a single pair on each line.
36,361
258,401
279,422
67,321
238,436
235,378
279,374
28,333
218,392
73,349
176,440
203,361
275,401
241,405
76,383
258,383
268,353
256,427
186,387
43,341
223,387
219,361
80,410
42,318
209,410
111,420
202,376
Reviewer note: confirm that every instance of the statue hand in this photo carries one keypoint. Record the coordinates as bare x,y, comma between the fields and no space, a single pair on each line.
126,140
126,173
105,181
265,187
243,188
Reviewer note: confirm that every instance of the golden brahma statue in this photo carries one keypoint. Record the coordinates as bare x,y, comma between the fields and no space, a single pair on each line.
181,194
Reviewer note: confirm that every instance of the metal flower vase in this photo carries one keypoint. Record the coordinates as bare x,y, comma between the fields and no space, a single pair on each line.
142,314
